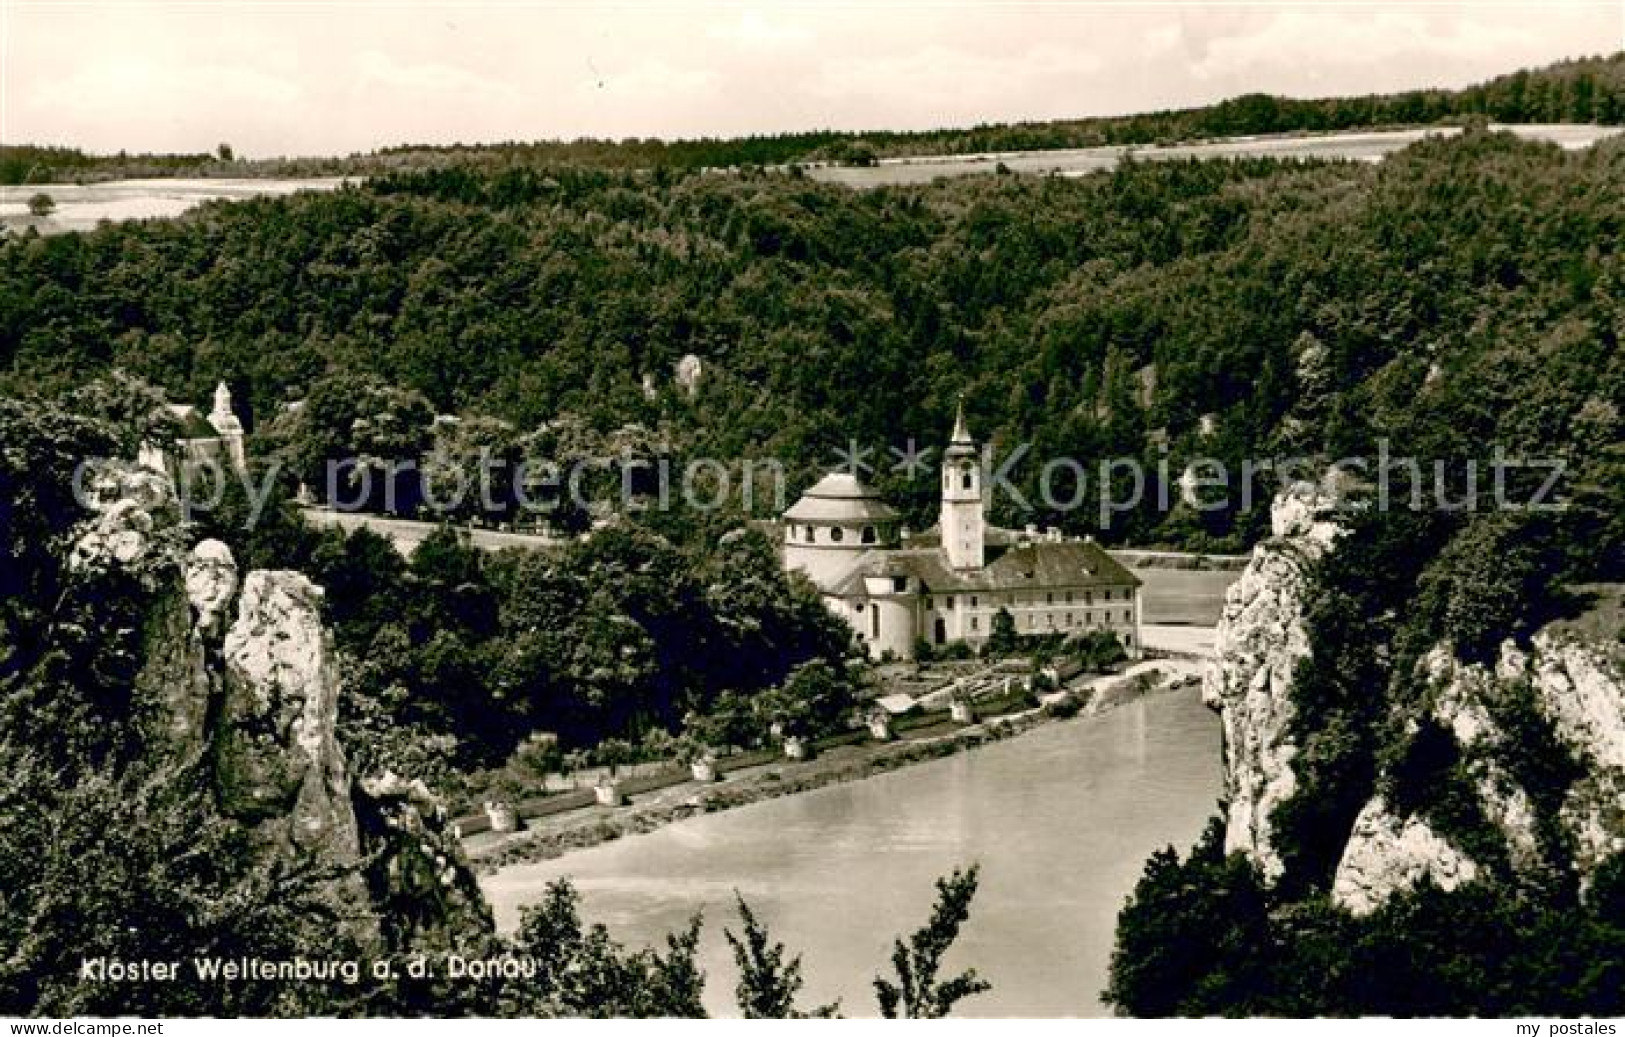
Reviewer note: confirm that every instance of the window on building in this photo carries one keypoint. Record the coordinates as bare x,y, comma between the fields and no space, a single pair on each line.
973,624
1128,617
927,602
868,534
836,533
1049,599
948,602
1050,619
809,534
1088,597
973,601
1069,619
1069,597
874,623
966,480
899,583
1088,619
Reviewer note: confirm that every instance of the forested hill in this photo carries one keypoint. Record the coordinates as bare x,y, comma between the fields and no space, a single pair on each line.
1460,293
1580,90
1421,704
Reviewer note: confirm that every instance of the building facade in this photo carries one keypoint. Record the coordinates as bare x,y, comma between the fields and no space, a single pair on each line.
200,440
948,584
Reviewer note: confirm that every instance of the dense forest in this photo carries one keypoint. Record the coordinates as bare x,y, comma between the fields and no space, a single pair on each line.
457,659
1460,292
1208,933
1580,90
1205,933
129,837
454,657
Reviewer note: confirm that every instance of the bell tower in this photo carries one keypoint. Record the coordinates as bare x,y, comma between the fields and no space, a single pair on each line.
225,422
961,522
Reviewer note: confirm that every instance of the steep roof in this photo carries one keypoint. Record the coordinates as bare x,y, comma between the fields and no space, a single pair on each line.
960,445
1067,563
840,497
992,536
193,425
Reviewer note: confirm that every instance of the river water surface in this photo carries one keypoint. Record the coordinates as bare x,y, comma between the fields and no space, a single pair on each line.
1061,820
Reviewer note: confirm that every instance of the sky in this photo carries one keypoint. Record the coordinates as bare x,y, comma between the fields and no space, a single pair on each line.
307,77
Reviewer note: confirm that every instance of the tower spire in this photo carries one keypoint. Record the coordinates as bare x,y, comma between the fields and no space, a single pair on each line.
961,524
960,444
961,433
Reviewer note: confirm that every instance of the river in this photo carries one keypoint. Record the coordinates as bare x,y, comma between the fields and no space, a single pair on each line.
1061,820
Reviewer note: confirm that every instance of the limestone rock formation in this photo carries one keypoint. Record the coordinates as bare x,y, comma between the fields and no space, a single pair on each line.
1580,688
211,583
280,759
1260,640
690,369
1385,854
243,678
134,523
1576,687
1581,693
134,535
1459,701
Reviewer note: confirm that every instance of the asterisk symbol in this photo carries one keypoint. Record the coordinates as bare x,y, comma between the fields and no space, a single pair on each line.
855,458
911,460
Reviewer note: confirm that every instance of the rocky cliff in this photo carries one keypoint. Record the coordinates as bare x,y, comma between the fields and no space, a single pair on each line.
239,675
1386,853
1561,695
1575,688
1260,639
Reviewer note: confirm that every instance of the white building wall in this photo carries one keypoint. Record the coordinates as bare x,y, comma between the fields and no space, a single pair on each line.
828,555
897,622
897,627
1035,613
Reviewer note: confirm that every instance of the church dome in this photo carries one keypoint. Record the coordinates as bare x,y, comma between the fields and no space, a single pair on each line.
840,497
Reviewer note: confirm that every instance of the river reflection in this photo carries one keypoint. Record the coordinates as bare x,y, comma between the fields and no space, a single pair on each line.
1061,820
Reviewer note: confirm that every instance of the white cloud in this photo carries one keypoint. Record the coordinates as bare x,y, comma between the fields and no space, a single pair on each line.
1353,38
139,83
1316,50
753,30
942,85
650,81
374,69
168,107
